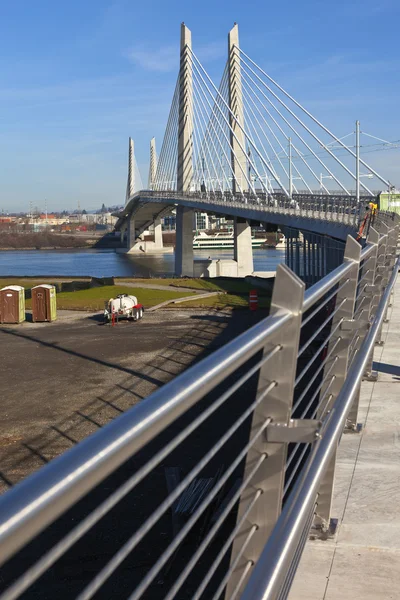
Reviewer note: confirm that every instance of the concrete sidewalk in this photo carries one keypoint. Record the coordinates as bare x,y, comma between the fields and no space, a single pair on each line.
363,561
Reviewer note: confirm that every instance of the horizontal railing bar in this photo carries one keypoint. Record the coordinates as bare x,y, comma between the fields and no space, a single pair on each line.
182,534
37,501
226,546
296,559
294,471
320,328
150,522
317,351
32,574
246,569
305,411
280,548
200,550
366,252
324,285
102,509
363,277
317,372
321,306
325,394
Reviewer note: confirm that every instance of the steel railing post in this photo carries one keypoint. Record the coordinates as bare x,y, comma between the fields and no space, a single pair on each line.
363,312
287,296
376,292
382,271
391,251
336,368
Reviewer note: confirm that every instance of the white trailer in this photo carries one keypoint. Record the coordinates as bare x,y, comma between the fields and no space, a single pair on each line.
123,306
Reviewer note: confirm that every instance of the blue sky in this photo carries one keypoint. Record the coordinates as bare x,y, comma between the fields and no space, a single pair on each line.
78,78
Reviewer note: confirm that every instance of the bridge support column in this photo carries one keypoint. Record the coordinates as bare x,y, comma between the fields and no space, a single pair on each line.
243,251
184,242
122,232
158,238
131,237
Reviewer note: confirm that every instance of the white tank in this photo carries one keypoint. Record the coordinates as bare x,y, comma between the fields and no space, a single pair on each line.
124,304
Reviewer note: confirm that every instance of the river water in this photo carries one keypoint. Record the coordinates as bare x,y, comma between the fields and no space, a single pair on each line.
107,263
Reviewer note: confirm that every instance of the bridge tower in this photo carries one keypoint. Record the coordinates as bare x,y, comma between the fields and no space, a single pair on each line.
130,189
130,184
243,252
158,239
185,216
153,163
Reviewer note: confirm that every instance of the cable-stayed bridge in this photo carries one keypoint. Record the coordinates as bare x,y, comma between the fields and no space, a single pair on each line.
208,488
249,150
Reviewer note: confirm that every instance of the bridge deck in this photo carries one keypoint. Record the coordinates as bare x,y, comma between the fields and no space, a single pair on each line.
364,559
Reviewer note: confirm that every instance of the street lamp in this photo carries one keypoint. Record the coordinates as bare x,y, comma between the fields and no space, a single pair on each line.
321,177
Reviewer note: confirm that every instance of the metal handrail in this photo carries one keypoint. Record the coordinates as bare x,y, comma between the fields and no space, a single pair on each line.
32,505
269,574
37,501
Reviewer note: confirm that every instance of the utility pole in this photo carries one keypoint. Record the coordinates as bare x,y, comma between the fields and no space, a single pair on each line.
358,161
45,211
290,169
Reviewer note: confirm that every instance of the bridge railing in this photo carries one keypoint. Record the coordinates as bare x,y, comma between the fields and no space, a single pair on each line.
337,209
208,488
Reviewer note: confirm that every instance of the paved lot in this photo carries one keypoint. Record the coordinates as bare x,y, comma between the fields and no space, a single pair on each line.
87,374
63,380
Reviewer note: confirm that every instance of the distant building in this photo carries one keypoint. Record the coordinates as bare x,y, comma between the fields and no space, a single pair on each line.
202,222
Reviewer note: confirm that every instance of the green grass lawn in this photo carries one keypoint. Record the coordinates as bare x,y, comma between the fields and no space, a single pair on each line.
234,285
29,283
235,293
224,301
93,299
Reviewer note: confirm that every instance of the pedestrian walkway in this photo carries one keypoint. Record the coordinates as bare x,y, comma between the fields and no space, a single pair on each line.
157,286
363,561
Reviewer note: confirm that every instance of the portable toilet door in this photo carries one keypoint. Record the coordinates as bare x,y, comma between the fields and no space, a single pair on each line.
44,307
12,304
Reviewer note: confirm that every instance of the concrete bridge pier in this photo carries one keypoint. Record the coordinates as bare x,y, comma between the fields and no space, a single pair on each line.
184,242
122,233
131,237
158,238
243,251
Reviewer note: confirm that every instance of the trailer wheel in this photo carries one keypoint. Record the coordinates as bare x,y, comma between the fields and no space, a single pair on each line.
135,315
140,313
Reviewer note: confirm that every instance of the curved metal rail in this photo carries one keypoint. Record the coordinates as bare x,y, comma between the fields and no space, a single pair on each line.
255,424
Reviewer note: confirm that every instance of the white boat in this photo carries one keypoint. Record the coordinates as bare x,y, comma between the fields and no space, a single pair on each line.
205,241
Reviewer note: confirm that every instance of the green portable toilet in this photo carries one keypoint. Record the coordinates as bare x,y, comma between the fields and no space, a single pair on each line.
44,303
12,304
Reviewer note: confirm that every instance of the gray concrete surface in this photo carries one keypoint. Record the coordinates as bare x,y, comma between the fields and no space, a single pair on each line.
61,381
363,561
157,286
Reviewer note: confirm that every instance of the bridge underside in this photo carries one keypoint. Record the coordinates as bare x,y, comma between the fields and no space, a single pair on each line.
145,210
314,245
